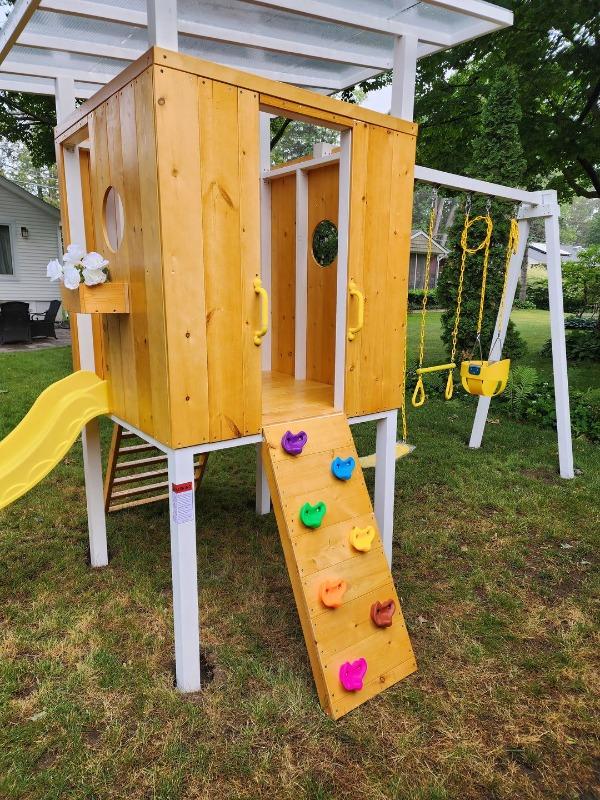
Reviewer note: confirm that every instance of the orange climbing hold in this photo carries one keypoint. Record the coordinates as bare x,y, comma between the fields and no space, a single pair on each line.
331,593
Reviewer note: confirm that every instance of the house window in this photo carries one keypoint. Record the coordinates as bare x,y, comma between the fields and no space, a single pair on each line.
6,259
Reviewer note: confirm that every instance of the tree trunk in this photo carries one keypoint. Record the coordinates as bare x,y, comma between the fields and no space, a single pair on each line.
449,223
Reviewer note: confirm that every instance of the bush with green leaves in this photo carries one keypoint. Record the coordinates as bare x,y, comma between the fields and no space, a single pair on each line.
528,398
580,323
415,299
523,305
537,293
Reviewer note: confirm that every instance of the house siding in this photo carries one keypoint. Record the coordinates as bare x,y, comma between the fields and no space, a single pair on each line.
30,256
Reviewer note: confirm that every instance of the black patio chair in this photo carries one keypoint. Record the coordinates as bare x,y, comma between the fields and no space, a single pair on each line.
14,322
42,324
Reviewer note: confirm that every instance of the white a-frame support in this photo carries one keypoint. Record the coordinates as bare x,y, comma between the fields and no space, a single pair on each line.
550,211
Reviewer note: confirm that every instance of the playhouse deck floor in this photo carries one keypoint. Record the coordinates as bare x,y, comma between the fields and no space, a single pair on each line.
285,398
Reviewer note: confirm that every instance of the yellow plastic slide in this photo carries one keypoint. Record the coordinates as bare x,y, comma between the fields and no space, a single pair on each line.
46,433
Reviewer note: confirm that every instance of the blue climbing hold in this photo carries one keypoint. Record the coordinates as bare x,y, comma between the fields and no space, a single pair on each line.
343,468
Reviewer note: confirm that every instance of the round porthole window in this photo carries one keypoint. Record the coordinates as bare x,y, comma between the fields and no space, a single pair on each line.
325,243
114,218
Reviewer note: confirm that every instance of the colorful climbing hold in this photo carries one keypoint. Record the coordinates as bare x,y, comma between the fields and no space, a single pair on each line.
331,593
352,674
312,516
293,443
362,538
343,468
382,613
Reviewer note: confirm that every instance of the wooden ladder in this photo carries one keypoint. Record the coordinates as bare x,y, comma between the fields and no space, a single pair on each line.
133,461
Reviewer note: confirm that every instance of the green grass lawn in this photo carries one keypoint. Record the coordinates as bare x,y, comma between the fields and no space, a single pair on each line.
495,563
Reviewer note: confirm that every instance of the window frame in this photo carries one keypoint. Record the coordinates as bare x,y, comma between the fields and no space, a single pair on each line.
11,225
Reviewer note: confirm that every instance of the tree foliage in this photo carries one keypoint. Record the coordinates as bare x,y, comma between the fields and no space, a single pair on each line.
555,50
496,155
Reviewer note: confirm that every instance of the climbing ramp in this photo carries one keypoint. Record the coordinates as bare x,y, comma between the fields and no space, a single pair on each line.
342,584
137,472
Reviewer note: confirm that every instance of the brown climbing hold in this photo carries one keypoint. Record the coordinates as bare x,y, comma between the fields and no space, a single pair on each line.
382,613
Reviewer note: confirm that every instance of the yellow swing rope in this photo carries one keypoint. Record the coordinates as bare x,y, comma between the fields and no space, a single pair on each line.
466,250
418,396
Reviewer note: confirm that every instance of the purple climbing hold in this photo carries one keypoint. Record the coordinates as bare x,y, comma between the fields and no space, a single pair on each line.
293,443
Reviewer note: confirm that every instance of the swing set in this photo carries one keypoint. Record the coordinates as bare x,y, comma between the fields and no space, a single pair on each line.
478,377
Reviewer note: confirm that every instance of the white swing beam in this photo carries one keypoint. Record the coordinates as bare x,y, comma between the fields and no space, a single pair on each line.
543,204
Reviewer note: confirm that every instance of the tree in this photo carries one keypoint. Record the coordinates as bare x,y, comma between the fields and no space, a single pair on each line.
581,278
553,47
495,155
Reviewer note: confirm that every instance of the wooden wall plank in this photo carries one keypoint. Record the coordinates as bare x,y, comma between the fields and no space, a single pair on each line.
120,259
135,324
152,248
323,201
250,257
283,274
224,287
178,134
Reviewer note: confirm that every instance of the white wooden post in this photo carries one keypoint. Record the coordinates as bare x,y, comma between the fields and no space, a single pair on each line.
90,436
184,569
265,229
557,331
514,273
263,496
404,76
385,472
341,331
162,23
301,272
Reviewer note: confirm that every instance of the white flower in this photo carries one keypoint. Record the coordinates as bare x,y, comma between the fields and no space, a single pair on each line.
54,270
74,254
92,277
72,277
94,261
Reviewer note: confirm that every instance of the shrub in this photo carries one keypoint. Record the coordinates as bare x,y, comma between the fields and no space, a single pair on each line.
529,399
537,293
415,299
580,323
523,305
582,345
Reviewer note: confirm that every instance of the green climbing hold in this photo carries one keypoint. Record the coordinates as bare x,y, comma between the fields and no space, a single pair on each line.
312,516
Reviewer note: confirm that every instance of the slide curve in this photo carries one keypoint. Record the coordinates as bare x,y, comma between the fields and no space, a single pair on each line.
48,430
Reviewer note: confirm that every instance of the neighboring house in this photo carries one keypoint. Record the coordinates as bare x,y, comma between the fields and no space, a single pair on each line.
418,257
29,238
536,253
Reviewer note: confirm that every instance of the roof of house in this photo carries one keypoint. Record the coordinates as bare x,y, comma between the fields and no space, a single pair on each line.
418,244
41,205
565,249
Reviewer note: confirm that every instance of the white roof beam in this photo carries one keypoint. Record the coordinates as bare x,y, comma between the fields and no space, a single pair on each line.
47,71
356,19
79,46
16,21
477,9
215,33
21,83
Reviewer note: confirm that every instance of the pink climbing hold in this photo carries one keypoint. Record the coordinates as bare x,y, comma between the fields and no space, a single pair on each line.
352,674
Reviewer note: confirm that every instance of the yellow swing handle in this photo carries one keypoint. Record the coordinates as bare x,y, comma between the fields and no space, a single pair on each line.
449,390
419,396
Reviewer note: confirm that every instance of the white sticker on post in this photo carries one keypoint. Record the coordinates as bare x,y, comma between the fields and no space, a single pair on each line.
183,502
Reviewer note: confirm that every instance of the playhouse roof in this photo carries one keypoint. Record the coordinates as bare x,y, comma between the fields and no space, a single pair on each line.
324,45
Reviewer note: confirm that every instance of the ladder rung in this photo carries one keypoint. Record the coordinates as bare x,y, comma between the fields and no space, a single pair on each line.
141,502
128,435
140,476
141,462
138,448
140,489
